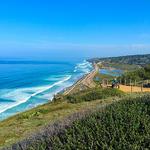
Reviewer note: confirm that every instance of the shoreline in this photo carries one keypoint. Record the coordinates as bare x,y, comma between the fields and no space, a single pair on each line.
64,90
86,81
25,100
51,100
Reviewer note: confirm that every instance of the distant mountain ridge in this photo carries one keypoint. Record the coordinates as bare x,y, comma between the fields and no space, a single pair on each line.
129,59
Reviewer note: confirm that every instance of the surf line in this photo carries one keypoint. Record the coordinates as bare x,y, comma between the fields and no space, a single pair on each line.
34,94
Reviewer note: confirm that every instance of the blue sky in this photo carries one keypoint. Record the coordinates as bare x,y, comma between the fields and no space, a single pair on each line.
48,29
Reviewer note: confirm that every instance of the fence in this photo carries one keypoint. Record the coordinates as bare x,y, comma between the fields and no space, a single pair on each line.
131,85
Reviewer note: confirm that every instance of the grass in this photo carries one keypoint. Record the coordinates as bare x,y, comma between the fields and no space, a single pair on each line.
101,77
39,120
122,125
24,124
121,66
93,94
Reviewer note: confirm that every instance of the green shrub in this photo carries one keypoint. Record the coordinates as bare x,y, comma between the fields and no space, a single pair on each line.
138,75
124,125
93,94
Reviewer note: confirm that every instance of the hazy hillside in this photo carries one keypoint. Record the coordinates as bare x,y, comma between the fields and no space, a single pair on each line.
131,59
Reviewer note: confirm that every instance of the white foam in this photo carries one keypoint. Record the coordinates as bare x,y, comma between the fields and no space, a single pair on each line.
84,67
26,96
75,70
55,78
22,95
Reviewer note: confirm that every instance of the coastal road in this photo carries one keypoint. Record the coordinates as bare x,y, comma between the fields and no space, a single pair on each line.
87,80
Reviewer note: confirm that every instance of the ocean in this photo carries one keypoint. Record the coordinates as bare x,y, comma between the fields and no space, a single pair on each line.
27,84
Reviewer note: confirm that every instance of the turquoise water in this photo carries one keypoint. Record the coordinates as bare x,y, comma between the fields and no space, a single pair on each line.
26,84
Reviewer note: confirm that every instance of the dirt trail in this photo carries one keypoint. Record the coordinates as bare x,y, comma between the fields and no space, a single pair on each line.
125,88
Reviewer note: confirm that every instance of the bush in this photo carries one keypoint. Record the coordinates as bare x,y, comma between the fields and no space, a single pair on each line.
138,75
124,125
93,94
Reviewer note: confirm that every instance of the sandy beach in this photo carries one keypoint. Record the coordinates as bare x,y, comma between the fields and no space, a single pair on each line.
85,81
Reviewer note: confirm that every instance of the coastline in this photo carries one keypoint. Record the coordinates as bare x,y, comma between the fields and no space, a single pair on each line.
62,90
86,81
29,123
33,119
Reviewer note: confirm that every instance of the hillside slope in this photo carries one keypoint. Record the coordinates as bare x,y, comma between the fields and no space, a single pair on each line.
121,125
23,125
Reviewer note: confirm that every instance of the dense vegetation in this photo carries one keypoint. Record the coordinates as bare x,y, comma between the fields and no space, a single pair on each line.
138,75
121,125
93,94
124,67
21,125
125,125
131,59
